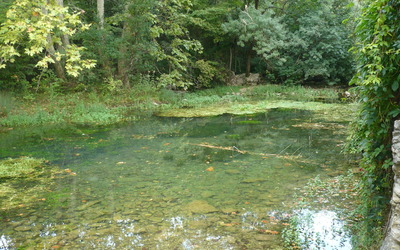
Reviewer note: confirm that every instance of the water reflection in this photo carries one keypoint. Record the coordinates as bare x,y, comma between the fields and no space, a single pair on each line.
322,230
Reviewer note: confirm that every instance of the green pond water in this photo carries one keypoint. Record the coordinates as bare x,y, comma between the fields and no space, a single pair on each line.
224,182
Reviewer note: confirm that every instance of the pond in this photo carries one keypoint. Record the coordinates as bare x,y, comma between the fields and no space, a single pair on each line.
223,182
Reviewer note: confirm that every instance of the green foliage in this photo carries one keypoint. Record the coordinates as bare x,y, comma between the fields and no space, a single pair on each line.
173,45
6,104
295,41
377,77
206,73
46,82
319,43
39,26
262,30
186,44
4,5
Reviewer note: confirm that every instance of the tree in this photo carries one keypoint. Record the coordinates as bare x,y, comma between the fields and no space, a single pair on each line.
100,12
260,31
319,41
174,47
43,29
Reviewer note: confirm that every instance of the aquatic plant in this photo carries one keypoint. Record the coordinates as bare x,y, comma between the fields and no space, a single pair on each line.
23,181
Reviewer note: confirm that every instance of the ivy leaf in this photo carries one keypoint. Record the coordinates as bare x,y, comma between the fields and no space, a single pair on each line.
394,113
395,86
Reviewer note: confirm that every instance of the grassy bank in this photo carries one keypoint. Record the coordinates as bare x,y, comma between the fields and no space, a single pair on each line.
93,108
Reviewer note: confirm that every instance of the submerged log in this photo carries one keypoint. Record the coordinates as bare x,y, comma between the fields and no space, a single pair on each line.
235,149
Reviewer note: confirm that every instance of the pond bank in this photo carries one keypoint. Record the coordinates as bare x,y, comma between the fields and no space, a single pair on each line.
94,109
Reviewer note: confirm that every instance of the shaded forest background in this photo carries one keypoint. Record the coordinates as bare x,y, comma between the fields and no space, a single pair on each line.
184,44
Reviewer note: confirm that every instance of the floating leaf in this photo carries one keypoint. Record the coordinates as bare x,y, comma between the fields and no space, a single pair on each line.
269,231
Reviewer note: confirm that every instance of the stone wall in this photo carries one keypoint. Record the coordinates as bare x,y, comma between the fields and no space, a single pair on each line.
392,239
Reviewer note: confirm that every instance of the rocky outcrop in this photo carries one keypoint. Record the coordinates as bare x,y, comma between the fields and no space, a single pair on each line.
241,80
392,239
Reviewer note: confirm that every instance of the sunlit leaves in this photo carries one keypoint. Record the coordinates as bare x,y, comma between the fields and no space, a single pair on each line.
37,26
176,48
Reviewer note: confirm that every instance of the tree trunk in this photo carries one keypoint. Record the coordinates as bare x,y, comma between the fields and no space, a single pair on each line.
64,37
230,58
248,63
256,2
392,238
58,65
100,12
123,64
249,56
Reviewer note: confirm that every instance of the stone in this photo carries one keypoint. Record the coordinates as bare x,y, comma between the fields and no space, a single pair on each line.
265,237
198,225
241,79
207,194
22,228
253,180
232,171
229,210
200,207
392,237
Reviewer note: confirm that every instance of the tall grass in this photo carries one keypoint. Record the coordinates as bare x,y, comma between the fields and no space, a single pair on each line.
6,103
105,108
294,93
74,108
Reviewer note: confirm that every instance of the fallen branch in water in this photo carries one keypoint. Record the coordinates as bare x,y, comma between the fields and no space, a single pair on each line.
235,149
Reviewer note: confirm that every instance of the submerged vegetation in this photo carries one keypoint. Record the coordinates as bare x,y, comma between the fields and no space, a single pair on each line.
216,182
25,181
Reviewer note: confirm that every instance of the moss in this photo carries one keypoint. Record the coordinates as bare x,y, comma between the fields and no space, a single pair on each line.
250,122
336,111
19,168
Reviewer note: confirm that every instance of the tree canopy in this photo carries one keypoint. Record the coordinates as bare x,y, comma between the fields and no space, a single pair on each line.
182,43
